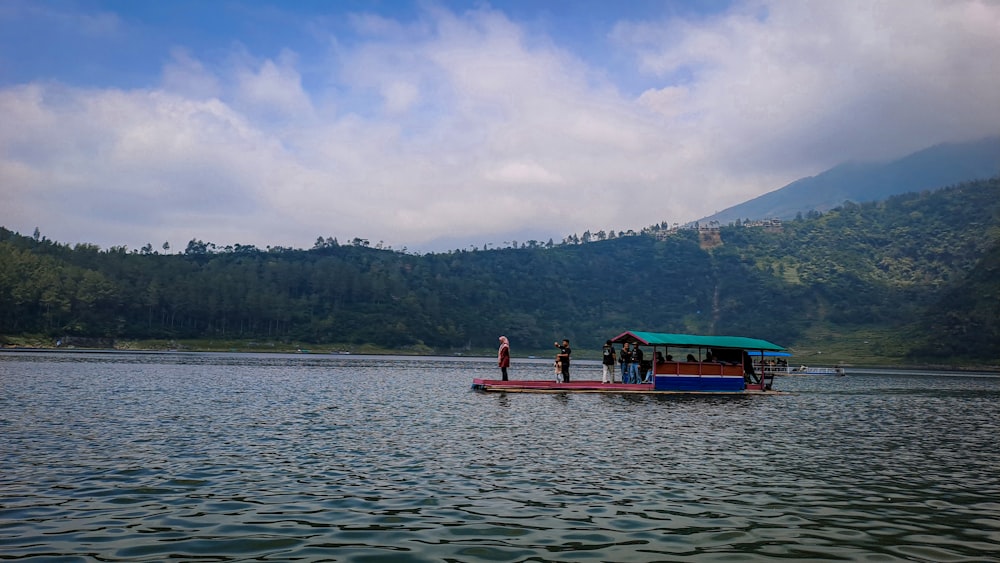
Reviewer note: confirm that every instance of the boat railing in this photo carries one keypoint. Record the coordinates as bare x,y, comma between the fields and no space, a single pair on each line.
821,370
698,368
773,370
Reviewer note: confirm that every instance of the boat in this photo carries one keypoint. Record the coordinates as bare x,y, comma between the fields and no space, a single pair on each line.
807,370
776,363
770,362
721,365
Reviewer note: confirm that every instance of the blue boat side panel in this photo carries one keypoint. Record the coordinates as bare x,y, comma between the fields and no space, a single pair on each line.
697,383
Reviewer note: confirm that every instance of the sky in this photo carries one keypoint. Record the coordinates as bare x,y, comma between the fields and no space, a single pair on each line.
428,126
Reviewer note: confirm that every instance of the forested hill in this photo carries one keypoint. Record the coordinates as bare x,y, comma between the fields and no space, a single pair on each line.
907,278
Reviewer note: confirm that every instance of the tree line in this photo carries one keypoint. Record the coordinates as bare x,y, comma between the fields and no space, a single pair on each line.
888,264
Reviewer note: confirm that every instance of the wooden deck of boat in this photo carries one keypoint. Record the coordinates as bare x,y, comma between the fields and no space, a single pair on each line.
591,386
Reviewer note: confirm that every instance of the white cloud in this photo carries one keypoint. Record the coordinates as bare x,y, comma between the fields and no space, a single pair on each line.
123,162
272,88
465,126
187,76
400,96
804,85
523,173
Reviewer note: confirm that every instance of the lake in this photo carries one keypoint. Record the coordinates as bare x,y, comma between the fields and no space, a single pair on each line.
244,457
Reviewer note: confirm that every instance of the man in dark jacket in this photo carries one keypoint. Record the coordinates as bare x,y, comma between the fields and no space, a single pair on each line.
608,363
563,356
625,361
634,368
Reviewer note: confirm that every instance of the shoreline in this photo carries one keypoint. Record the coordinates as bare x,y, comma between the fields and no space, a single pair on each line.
334,351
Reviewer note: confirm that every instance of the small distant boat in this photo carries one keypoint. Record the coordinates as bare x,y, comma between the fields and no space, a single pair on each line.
719,365
770,362
776,363
807,370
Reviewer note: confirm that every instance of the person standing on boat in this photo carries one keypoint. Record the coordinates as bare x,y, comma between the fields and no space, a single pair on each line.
503,356
636,364
624,359
608,363
564,352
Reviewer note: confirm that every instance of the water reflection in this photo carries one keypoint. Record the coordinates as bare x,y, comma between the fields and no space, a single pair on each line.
237,457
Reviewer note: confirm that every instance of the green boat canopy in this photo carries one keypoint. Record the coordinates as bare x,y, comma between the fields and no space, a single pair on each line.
694,341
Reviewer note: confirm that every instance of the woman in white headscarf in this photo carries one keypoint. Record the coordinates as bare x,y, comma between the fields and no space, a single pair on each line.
503,356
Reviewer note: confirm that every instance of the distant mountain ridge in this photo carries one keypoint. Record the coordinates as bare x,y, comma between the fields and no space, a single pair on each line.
935,167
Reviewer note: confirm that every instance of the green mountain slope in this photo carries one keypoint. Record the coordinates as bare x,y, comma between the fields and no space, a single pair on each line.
865,274
863,283
963,324
932,168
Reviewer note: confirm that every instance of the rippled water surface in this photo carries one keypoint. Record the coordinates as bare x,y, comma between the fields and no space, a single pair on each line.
214,457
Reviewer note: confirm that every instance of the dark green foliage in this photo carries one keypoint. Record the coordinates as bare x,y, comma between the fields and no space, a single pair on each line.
964,324
922,263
